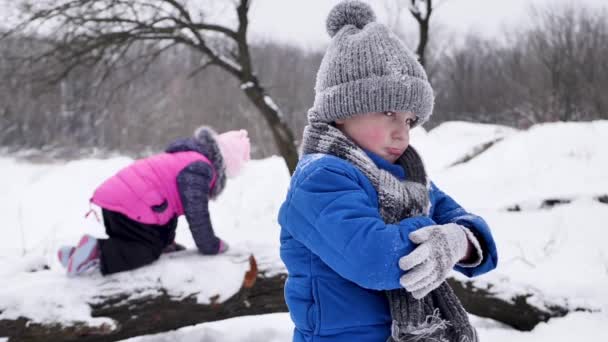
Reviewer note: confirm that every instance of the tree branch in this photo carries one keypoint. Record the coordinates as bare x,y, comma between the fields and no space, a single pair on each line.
98,32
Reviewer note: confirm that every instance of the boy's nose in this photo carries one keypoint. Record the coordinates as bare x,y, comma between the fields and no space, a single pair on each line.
400,132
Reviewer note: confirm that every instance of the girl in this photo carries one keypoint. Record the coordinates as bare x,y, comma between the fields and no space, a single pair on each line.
141,203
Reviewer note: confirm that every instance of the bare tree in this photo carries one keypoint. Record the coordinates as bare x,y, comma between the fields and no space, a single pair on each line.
570,43
422,10
552,69
513,81
101,34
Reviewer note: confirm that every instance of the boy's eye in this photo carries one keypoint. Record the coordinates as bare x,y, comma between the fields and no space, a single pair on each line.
412,121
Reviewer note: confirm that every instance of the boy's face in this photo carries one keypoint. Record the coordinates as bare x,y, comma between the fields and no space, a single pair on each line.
386,134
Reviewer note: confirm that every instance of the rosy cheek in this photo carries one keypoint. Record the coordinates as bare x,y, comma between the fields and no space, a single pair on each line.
375,136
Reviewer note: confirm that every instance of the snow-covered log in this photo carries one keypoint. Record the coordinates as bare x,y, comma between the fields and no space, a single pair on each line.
516,311
147,315
259,294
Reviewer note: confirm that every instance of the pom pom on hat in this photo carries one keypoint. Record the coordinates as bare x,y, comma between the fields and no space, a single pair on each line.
351,12
367,68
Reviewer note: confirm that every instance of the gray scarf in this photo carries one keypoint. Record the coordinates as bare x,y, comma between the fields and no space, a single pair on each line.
439,316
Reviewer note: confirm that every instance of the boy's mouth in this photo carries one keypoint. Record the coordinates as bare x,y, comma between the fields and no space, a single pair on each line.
393,151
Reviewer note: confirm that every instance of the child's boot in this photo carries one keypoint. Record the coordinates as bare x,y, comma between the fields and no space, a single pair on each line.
64,253
85,257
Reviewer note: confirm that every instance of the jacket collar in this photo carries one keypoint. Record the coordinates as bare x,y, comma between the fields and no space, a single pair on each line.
395,169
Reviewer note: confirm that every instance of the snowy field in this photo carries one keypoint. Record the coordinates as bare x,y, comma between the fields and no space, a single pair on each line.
557,251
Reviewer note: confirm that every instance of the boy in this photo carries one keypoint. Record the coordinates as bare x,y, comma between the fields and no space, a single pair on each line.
360,210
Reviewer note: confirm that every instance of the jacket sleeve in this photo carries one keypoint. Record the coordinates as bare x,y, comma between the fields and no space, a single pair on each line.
446,210
193,185
331,214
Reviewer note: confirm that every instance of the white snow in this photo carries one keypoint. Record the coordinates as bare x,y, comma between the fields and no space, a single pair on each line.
270,102
450,141
275,327
558,160
558,253
247,85
278,327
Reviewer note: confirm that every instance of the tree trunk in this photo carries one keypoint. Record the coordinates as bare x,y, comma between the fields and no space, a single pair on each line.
424,38
423,25
282,134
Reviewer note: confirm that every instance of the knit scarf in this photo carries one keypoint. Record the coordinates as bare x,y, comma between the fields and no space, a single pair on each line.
439,316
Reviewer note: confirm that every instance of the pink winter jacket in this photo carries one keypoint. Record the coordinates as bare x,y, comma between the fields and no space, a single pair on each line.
147,191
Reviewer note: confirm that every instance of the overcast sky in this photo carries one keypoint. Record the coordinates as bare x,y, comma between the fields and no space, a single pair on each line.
303,22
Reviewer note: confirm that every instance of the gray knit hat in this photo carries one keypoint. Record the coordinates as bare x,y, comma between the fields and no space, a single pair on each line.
367,68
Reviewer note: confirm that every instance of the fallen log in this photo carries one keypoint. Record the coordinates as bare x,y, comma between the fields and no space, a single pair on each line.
148,315
259,294
516,312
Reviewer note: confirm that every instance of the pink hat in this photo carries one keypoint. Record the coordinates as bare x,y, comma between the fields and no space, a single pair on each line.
235,148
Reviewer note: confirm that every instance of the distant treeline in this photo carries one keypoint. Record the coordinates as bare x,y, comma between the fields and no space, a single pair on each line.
555,69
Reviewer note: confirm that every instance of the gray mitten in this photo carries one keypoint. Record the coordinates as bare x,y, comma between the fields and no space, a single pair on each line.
440,248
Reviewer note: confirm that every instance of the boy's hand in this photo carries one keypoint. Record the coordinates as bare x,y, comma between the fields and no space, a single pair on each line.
440,248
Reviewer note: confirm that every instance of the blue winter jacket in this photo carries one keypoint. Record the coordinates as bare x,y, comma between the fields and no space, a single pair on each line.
341,256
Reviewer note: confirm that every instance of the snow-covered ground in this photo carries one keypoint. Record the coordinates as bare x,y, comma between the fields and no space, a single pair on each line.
557,252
